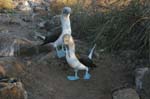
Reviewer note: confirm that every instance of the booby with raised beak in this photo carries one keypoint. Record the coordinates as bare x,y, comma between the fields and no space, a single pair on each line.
56,39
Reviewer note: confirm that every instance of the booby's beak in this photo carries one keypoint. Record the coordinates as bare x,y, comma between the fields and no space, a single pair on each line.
66,10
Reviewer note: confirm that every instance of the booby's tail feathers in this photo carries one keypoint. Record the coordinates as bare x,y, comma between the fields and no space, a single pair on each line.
91,52
41,37
38,35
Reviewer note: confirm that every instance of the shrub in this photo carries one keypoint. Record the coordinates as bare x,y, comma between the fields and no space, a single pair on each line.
117,29
115,25
6,4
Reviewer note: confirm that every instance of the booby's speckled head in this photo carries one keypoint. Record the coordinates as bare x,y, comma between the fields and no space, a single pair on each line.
66,39
66,10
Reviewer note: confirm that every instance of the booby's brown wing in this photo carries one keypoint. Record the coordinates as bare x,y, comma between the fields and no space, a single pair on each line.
51,38
87,62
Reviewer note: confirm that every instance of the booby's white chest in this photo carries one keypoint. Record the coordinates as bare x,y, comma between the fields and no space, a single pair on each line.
74,62
66,29
59,41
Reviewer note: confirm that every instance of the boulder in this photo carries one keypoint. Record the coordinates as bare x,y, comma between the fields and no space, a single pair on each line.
126,93
16,46
11,66
23,6
8,45
146,84
12,90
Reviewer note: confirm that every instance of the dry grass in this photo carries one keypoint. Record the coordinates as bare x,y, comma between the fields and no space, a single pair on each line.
6,4
118,29
112,24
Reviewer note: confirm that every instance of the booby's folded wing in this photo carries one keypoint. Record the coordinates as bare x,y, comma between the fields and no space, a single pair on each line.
51,38
87,62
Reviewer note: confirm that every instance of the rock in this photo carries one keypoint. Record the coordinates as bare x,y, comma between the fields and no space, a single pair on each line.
128,54
26,19
51,55
14,19
127,93
40,10
139,74
56,20
48,26
23,6
41,25
16,46
7,45
11,66
13,90
146,84
34,50
10,44
2,72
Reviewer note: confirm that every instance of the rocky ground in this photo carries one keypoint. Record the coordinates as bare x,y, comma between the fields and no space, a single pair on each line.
44,75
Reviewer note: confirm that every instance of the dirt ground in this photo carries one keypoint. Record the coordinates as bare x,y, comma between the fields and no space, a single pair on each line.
45,75
48,80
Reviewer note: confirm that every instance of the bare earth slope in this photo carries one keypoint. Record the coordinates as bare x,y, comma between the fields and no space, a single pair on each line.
45,75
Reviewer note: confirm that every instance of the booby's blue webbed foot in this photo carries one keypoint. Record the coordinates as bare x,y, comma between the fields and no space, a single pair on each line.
87,76
60,52
72,77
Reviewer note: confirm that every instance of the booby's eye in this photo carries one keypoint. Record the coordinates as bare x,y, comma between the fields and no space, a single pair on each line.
65,11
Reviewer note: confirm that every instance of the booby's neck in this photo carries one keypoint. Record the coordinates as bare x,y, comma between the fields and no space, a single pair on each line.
65,21
70,52
71,45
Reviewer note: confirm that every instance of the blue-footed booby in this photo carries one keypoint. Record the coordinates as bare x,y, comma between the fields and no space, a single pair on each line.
56,39
77,64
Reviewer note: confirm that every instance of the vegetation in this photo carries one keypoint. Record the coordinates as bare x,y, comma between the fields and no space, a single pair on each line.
6,4
118,26
111,24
